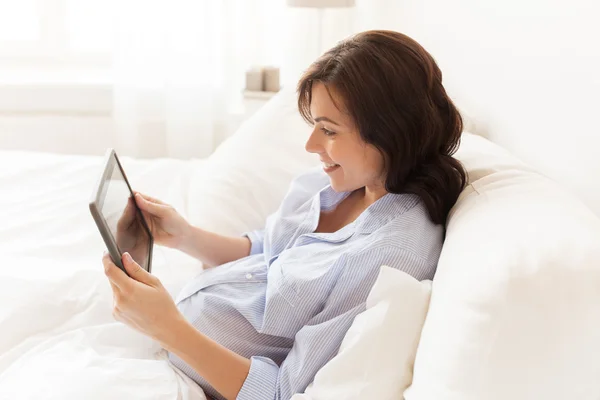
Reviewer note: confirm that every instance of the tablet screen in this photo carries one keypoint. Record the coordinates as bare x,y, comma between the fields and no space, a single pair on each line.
124,218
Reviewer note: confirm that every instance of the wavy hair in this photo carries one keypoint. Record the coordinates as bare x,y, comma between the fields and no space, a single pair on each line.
392,88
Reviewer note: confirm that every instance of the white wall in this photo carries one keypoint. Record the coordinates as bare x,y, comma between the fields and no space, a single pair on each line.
528,71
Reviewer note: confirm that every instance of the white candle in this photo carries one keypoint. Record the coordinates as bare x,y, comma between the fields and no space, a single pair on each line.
254,79
271,79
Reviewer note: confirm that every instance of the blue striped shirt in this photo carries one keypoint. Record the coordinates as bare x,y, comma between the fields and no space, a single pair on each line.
288,305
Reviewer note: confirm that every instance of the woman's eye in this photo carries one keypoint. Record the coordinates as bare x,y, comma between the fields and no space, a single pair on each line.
328,132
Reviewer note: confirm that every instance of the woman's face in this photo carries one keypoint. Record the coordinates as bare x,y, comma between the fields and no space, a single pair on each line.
350,162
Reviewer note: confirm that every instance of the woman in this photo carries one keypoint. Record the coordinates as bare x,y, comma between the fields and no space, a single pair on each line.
275,310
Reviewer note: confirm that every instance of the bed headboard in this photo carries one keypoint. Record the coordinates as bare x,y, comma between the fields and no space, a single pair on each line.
526,71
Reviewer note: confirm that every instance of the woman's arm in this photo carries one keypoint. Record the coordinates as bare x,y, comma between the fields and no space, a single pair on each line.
225,370
259,378
214,249
141,301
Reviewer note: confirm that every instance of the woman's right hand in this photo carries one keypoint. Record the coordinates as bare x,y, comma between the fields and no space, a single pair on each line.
168,227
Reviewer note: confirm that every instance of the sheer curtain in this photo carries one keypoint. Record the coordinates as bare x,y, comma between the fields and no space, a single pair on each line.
167,74
178,69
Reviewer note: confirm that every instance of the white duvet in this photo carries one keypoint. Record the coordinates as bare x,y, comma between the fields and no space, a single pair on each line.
58,339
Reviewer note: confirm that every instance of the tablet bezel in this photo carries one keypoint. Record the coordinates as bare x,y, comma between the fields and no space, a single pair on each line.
111,161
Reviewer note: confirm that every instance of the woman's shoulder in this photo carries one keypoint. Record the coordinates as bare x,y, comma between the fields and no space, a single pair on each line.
409,233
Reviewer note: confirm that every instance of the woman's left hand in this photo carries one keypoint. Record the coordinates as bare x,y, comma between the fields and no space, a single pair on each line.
140,299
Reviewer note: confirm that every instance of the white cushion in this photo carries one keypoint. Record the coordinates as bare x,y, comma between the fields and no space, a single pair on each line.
514,312
376,357
246,178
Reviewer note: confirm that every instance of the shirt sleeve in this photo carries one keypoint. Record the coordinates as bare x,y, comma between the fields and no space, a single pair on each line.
257,239
313,347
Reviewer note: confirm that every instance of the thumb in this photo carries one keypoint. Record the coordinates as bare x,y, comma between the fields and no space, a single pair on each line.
136,272
153,208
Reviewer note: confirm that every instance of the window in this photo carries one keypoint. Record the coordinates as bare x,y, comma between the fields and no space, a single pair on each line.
55,32
53,53
55,56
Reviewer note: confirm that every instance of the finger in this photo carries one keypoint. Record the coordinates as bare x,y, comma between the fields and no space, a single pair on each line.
128,215
151,199
146,214
136,272
131,205
151,207
115,274
149,218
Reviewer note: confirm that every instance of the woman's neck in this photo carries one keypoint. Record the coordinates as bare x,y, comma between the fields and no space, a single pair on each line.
370,194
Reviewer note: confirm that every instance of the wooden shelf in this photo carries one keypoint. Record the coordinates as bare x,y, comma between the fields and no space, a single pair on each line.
251,94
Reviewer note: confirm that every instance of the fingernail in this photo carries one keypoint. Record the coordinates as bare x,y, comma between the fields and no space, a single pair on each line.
128,257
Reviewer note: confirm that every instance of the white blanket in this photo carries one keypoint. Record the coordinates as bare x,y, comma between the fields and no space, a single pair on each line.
58,339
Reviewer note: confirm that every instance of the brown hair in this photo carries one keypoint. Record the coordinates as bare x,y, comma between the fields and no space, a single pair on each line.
392,89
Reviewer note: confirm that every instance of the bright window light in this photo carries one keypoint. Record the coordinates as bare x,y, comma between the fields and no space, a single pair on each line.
19,21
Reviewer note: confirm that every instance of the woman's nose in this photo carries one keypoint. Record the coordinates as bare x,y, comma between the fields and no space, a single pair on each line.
312,144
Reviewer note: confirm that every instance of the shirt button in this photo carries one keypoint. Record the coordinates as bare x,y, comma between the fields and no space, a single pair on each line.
248,276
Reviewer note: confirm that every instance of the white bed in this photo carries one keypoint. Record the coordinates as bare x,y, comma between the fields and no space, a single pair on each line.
58,339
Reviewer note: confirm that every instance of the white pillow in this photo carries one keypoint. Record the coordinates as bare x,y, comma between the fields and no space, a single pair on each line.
515,306
246,178
376,357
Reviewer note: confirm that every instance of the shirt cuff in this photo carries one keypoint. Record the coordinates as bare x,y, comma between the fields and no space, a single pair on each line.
256,241
261,382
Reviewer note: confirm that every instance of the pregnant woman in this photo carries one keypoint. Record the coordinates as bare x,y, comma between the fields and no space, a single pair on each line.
272,306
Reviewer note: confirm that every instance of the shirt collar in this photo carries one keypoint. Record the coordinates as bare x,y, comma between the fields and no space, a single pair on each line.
378,214
384,210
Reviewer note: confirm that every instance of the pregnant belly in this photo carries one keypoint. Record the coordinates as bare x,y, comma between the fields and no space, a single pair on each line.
232,314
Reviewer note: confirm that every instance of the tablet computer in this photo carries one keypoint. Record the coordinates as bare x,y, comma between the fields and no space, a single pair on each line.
119,219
